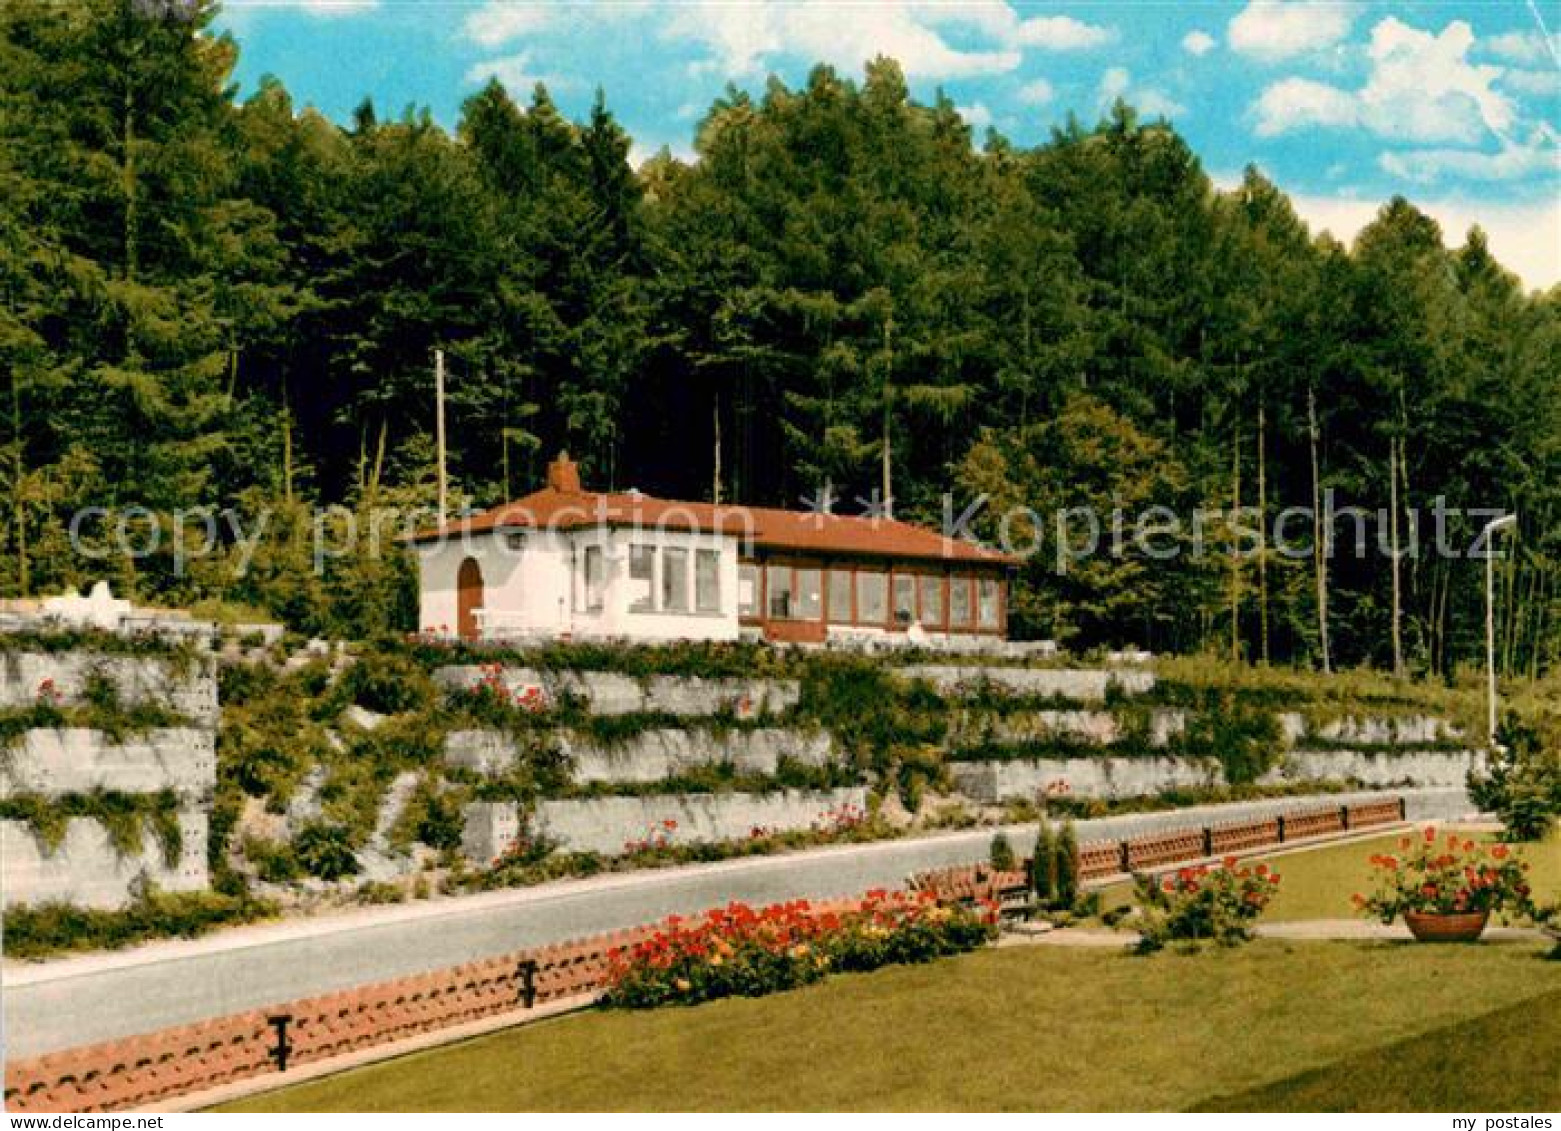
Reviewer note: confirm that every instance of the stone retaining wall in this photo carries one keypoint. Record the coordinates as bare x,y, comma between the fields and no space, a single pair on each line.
77,760
653,754
608,824
1102,776
188,687
1110,777
1380,767
610,693
87,871
1081,684
1371,730
1100,728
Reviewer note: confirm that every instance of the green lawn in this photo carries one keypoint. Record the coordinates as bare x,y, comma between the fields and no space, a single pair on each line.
1317,884
1274,1024
1434,1071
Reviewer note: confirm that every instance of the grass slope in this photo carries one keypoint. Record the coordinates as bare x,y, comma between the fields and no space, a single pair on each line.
1503,1061
1017,1028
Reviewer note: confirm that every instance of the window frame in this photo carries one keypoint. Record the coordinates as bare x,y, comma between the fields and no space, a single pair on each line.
666,591
593,602
647,550
882,576
712,558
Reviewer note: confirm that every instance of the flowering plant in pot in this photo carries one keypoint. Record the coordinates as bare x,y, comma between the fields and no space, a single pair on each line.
1446,887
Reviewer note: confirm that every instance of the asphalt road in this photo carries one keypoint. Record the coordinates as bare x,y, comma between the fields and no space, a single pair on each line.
76,1001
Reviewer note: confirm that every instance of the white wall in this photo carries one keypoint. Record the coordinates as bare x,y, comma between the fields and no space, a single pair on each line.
74,760
540,589
607,824
86,871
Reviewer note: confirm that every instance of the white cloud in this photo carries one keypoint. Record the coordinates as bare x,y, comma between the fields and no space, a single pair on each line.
1526,238
1118,83
1061,33
1521,47
501,21
1114,84
1271,30
1036,92
1293,104
1541,83
1422,88
976,115
999,21
744,38
1514,160
325,8
514,71
1197,42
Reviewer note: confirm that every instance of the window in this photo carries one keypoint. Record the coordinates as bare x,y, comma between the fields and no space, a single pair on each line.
987,600
594,579
748,590
961,615
642,579
810,594
904,599
777,581
707,581
931,600
674,581
872,597
840,596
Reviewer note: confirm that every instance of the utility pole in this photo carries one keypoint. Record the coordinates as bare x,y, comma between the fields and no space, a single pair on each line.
439,434
888,440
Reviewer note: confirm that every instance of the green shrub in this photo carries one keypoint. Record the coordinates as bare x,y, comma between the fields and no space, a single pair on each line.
1043,865
1522,780
325,851
432,816
1202,904
274,861
1243,736
378,891
1001,854
388,682
1068,866
56,928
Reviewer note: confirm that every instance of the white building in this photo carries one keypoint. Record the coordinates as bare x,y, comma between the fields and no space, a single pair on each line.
567,563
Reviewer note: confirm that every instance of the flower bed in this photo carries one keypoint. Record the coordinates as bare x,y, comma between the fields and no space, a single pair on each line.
1451,875
1204,903
739,951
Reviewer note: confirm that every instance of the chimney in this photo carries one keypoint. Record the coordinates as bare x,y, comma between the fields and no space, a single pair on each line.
564,475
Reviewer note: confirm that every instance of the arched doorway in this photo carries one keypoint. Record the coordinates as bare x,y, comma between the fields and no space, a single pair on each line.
468,598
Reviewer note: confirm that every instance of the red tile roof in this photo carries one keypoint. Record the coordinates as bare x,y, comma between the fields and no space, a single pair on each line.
766,527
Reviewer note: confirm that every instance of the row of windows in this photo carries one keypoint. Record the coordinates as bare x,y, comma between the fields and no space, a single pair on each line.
659,580
863,597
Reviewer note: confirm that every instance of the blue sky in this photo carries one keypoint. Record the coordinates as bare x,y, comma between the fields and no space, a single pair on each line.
1458,106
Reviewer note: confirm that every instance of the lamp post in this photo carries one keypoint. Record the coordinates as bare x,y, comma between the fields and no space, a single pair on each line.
1492,528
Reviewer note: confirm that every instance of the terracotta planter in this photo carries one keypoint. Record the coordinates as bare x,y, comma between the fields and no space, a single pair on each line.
1429,926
